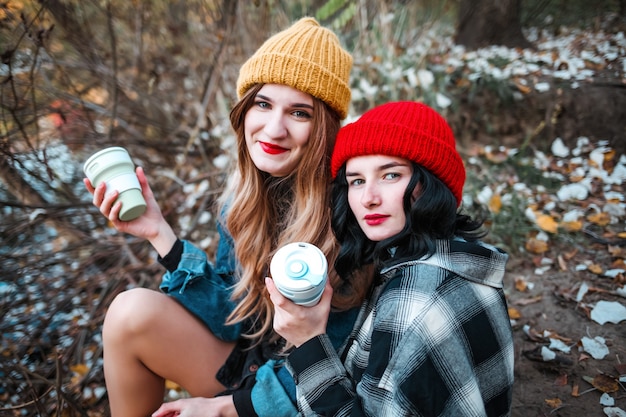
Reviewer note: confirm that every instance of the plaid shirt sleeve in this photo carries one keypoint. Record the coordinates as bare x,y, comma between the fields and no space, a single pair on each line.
439,345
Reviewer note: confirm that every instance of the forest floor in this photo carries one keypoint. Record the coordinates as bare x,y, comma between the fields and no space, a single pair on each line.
555,373
570,359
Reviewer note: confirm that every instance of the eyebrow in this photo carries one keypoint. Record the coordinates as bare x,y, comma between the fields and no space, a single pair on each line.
308,106
381,168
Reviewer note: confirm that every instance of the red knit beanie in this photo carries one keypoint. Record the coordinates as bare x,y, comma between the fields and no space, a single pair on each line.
408,130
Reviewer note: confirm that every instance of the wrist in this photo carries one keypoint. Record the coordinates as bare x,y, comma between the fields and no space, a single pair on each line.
164,239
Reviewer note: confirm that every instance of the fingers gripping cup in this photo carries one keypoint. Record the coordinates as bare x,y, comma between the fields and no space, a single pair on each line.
115,167
299,271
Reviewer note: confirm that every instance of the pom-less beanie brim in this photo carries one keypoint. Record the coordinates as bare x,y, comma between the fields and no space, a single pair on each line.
307,57
407,130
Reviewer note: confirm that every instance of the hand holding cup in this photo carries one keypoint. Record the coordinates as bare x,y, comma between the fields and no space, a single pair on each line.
115,168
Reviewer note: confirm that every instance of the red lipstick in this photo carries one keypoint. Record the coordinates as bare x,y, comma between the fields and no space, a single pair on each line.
272,149
375,219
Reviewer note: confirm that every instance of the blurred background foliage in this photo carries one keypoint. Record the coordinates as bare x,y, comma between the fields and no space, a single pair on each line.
158,77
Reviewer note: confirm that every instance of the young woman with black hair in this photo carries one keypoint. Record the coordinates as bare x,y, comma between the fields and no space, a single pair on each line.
433,337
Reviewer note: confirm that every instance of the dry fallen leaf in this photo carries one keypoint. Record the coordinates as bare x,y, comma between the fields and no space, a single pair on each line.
524,89
618,264
603,383
514,313
575,391
553,335
573,226
601,219
496,156
569,255
171,385
618,251
520,284
495,204
534,245
561,380
526,301
547,223
609,155
80,368
595,269
533,335
553,402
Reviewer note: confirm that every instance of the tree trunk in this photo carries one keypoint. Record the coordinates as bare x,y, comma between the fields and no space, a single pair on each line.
490,22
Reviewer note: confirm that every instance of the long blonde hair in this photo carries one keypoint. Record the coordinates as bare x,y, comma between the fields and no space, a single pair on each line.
263,213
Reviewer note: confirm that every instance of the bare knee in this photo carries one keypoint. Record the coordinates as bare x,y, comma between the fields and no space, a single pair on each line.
131,313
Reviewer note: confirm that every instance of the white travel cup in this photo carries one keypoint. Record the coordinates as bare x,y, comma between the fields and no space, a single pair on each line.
115,167
299,271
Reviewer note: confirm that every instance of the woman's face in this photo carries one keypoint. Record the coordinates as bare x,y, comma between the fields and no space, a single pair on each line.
277,128
376,187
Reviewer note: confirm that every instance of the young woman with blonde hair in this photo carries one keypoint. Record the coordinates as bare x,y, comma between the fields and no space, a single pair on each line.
210,329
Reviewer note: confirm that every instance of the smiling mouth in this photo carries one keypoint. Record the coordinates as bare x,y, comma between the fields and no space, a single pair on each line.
272,149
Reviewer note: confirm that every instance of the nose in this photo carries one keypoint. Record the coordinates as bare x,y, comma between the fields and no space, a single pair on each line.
370,196
275,127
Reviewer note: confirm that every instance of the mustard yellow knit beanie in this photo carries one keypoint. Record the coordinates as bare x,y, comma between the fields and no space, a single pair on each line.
306,57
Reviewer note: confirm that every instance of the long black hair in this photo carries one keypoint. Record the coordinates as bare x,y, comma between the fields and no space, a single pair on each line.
430,217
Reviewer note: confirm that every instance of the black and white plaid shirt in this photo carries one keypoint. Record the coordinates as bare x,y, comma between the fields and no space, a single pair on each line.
434,339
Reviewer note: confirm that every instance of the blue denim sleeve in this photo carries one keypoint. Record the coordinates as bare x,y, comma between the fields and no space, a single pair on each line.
274,393
205,290
269,396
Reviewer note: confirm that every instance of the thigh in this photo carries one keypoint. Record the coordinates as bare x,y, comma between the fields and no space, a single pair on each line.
168,340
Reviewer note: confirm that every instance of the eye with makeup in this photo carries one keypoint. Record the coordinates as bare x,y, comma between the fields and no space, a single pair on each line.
301,114
390,176
262,104
356,182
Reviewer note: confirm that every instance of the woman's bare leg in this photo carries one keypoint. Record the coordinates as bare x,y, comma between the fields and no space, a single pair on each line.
148,337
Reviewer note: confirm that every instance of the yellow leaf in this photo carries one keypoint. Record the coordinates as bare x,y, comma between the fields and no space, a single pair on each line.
80,368
524,89
97,95
609,155
601,219
547,223
595,268
520,284
573,226
169,385
514,313
534,245
495,204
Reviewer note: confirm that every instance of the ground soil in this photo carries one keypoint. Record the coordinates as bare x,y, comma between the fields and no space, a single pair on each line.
596,109
562,387
548,306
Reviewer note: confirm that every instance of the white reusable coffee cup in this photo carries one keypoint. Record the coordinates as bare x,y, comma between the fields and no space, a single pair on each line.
115,167
299,271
